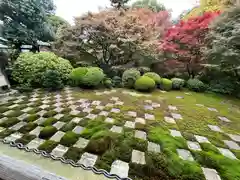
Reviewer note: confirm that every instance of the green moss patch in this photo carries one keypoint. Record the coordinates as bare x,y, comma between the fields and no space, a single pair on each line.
27,128
26,139
69,139
48,146
74,154
10,122
49,122
47,132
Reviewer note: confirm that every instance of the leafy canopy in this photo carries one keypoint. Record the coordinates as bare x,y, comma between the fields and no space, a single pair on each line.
184,42
25,21
154,5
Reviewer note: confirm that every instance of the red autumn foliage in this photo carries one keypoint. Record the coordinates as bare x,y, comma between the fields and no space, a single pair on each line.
184,41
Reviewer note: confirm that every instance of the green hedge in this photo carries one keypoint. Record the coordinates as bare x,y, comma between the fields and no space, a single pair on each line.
129,77
177,83
29,68
196,85
145,83
154,76
166,84
88,77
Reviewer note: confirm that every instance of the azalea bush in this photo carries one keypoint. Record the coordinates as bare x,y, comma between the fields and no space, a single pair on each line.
183,43
145,83
129,77
29,68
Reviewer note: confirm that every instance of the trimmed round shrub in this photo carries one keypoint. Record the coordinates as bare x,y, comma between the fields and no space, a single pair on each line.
52,80
117,81
154,76
108,83
88,77
166,84
77,75
177,83
129,77
29,68
69,139
196,85
47,132
145,83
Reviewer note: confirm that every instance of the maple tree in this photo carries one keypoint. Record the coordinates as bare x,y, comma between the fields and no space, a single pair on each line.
114,37
184,41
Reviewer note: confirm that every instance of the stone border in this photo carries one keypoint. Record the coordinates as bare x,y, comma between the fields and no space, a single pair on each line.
63,160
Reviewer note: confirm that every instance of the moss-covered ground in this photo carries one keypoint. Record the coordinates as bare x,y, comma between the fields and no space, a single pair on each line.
110,146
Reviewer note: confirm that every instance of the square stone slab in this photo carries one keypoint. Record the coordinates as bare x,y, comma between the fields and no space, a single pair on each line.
153,147
175,133
76,120
14,136
140,135
8,112
115,110
200,105
58,104
156,105
176,116
215,128
185,154
33,99
103,113
2,129
99,107
36,131
232,145
119,103
227,153
41,113
88,159
81,143
213,109
149,117
87,110
109,105
23,116
35,143
3,119
73,107
13,106
59,151
57,136
179,97
58,116
91,116
17,101
169,120
172,108
44,106
132,113
40,120
120,168
116,129
46,101
140,120
130,124
78,129
210,174
74,112
82,100
59,124
223,119
194,146
148,107
96,103
17,126
234,137
148,101
109,120
58,109
138,157
201,139
114,99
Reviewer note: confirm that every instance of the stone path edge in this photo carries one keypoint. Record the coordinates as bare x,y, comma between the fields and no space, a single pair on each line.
63,160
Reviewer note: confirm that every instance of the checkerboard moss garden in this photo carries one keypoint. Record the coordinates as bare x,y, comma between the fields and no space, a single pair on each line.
140,125
155,135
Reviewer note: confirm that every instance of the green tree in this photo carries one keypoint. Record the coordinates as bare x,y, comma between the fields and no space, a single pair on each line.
25,21
57,22
154,5
118,3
